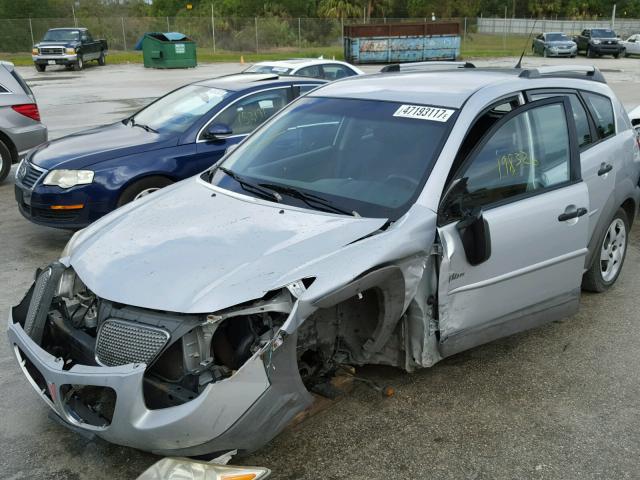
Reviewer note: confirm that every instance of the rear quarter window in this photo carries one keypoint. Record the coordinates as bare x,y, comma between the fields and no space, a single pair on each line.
602,112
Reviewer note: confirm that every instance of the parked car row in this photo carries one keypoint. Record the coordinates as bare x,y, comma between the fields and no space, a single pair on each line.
377,219
592,42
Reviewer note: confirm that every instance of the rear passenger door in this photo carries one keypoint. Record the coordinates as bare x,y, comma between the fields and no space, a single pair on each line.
513,229
596,132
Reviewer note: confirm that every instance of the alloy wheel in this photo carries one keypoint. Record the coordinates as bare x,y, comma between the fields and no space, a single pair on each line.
612,250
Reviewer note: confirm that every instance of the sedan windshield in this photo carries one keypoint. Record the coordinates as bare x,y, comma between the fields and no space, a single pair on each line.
268,69
62,36
602,33
357,157
178,110
557,37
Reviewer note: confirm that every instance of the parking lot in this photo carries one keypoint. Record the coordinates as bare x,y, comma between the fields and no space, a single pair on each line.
559,402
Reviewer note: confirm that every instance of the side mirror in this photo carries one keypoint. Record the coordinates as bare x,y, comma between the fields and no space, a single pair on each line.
217,131
475,237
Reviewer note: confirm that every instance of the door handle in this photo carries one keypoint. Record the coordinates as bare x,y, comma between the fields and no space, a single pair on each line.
605,168
563,217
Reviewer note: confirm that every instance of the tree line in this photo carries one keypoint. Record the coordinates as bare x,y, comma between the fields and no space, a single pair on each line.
364,9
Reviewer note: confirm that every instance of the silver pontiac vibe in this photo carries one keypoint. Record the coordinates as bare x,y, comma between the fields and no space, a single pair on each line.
389,219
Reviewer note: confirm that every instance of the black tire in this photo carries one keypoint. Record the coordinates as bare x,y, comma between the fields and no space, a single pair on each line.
6,159
590,53
544,53
102,60
79,65
132,191
40,67
616,55
592,280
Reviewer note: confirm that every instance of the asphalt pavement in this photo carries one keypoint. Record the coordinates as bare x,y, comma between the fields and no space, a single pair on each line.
558,402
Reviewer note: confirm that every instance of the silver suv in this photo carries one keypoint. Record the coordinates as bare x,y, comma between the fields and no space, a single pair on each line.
388,219
20,126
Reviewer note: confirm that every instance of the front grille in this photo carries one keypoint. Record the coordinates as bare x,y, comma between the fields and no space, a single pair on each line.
120,342
51,50
34,323
28,174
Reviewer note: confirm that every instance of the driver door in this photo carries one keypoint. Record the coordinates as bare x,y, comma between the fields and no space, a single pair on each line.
513,229
241,117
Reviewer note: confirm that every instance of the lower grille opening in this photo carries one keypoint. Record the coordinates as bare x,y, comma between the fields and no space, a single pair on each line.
89,404
35,375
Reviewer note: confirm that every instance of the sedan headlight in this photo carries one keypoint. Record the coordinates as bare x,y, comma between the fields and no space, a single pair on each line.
68,178
70,51
596,42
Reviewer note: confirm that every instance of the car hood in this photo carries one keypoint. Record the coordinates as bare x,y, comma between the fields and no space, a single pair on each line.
184,249
561,43
59,43
88,147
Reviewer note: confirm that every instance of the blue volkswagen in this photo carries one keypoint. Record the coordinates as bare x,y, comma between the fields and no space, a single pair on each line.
73,181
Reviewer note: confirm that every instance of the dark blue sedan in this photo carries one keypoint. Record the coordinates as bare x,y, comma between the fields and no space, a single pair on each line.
73,181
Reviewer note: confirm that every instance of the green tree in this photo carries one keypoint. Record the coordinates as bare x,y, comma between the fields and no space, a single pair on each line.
339,9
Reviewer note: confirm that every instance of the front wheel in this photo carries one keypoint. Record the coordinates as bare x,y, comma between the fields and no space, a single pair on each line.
607,265
102,60
544,53
590,53
79,65
40,67
142,188
5,161
616,55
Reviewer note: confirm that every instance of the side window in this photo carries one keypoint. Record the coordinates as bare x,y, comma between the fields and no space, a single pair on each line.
529,152
335,72
302,89
314,71
579,116
602,112
247,114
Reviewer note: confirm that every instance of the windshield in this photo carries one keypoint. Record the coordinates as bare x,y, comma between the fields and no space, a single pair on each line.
557,37
364,156
178,110
62,36
601,33
268,69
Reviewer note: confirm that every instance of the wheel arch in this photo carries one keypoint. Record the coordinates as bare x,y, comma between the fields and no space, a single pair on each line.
10,145
141,177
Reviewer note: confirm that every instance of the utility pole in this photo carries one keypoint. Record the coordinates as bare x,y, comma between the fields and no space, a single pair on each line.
613,17
213,29
73,12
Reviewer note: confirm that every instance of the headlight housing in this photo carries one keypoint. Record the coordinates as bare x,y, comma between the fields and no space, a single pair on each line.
34,51
68,178
70,51
596,42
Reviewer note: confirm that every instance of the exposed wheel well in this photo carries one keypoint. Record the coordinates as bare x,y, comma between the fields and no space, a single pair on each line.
12,148
629,207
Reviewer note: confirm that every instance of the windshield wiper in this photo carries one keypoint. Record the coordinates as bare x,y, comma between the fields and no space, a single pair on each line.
251,187
141,125
314,201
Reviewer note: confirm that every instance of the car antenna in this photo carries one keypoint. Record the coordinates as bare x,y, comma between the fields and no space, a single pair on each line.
519,64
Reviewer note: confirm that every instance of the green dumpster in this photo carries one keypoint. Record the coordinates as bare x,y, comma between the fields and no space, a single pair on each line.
168,50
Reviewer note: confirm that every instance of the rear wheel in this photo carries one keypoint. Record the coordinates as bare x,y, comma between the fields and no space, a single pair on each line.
102,60
79,65
40,67
610,256
5,161
142,188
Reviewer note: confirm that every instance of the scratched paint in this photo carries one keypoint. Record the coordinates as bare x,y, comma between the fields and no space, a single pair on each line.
401,49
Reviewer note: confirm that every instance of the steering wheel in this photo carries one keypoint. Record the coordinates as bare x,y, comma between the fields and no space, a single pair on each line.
395,177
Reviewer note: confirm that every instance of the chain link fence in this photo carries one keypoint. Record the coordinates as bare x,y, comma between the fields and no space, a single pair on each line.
480,36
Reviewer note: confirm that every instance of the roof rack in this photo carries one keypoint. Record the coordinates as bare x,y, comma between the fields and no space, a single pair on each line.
587,72
414,66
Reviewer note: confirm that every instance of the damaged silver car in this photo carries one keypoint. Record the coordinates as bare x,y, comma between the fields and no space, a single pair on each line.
391,219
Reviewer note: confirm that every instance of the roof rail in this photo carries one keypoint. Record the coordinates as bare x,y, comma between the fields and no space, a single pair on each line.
8,65
413,66
588,72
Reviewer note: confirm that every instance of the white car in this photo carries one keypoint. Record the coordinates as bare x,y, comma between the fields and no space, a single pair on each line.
307,67
632,45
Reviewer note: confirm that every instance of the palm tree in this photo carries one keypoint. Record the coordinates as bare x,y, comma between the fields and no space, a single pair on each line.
340,8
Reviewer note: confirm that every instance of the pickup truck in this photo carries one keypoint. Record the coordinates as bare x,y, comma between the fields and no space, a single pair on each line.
599,41
70,47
